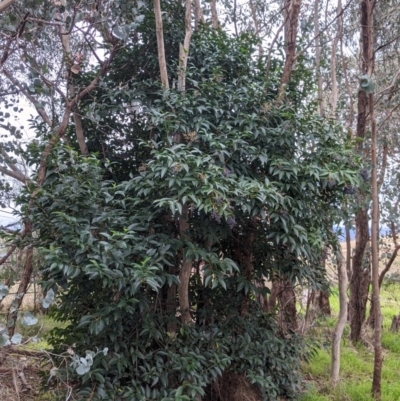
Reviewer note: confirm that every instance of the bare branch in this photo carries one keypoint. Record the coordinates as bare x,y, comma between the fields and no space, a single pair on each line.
12,165
92,85
50,84
44,22
91,47
41,176
8,230
14,92
14,174
323,30
388,264
39,110
5,4
386,44
8,254
273,43
384,164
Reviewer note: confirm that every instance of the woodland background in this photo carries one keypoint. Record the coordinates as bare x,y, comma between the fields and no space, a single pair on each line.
178,188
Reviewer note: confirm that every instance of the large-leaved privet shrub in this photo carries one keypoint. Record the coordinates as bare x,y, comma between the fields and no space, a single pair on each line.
259,181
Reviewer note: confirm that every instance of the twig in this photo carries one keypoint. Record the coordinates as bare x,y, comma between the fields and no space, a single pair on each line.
24,381
15,382
40,110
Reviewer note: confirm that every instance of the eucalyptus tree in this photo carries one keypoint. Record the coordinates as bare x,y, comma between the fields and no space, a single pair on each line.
46,46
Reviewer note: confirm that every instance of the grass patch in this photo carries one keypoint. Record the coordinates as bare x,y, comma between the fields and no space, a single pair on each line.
356,362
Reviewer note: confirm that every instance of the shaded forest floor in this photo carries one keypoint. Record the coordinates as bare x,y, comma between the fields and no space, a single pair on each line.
356,361
20,366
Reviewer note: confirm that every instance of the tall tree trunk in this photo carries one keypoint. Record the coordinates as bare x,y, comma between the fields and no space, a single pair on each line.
320,298
283,289
80,136
322,302
283,296
185,271
184,48
186,266
160,45
341,323
317,36
334,96
287,307
360,278
291,15
360,273
23,285
348,251
214,14
376,383
198,14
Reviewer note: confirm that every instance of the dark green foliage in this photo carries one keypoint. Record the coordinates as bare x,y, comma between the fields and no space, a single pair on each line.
258,178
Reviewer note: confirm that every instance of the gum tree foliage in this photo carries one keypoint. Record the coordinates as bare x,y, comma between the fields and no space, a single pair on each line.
260,181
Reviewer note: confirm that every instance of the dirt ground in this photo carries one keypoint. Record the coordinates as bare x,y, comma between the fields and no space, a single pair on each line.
19,374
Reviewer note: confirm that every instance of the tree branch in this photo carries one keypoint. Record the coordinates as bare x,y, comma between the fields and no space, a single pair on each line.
12,165
35,103
14,174
95,81
388,265
384,164
5,4
8,254
41,176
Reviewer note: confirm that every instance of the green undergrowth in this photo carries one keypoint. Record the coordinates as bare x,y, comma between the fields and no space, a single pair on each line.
35,337
356,361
